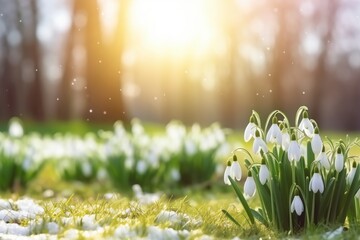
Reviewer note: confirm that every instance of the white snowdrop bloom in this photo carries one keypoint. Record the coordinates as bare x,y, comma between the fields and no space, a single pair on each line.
297,205
259,144
249,186
15,128
316,183
294,151
350,176
86,168
228,173
236,169
274,134
141,167
250,130
339,160
306,126
190,147
264,173
285,140
316,142
323,159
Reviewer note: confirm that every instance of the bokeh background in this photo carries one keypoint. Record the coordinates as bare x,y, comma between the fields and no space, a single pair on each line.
194,60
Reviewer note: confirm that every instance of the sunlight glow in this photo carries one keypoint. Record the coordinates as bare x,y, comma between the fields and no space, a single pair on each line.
171,23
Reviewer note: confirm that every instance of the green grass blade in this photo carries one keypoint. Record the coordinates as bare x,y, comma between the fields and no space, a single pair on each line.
260,217
228,215
242,200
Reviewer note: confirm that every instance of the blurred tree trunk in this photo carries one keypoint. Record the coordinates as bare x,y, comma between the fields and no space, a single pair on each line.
34,100
103,70
319,75
10,65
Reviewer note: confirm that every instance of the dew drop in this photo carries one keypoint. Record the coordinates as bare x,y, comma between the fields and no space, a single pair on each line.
90,110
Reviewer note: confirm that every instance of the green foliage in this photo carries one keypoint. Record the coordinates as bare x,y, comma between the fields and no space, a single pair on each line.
325,193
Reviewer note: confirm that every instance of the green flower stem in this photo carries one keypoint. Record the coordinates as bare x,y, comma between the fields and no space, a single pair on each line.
313,209
331,198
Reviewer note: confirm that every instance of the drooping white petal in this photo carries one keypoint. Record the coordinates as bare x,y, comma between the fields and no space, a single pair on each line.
307,127
249,131
227,174
294,151
350,176
264,174
339,162
324,160
259,144
249,187
316,183
236,170
285,141
316,144
274,134
297,205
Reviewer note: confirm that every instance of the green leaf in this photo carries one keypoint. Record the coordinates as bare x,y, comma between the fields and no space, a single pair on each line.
228,215
242,200
260,217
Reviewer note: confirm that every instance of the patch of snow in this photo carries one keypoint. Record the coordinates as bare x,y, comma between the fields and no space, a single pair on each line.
53,227
124,232
89,222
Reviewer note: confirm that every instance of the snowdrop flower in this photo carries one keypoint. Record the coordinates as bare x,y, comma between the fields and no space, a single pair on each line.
264,173
228,173
316,183
15,129
259,143
250,129
316,142
297,205
235,168
350,176
285,137
274,134
323,159
249,186
306,125
294,151
339,160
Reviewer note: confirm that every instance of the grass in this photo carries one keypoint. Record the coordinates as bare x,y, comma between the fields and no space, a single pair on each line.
202,204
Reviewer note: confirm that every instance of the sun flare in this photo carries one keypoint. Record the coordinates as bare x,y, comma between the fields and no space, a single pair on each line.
171,23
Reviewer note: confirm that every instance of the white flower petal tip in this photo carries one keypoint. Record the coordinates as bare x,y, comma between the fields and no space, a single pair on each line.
339,161
297,205
323,159
306,125
264,174
227,174
249,186
274,135
294,151
236,170
316,144
351,175
249,131
258,145
316,183
285,141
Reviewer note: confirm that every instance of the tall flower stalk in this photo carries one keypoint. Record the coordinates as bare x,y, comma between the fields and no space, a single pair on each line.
298,183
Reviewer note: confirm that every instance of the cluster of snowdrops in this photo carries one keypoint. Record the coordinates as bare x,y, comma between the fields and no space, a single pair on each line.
125,155
301,179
